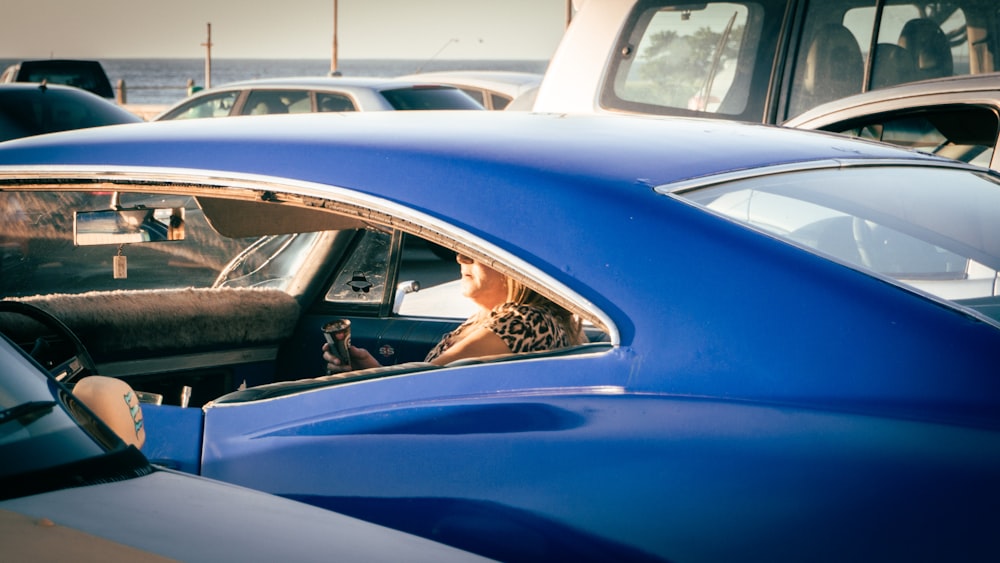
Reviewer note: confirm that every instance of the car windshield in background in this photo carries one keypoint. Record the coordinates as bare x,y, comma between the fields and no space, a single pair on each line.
27,110
429,97
894,221
88,75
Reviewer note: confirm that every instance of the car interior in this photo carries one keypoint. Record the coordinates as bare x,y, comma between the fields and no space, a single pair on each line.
213,304
967,133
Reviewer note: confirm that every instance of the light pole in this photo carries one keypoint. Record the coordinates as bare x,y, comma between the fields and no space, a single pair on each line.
208,57
333,54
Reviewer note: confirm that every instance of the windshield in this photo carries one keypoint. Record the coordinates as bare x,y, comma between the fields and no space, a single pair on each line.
929,228
36,430
39,255
31,111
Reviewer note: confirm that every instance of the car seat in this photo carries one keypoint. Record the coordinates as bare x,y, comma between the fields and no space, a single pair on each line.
833,67
929,47
893,65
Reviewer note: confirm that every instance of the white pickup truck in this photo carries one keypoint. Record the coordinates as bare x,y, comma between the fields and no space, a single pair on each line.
759,60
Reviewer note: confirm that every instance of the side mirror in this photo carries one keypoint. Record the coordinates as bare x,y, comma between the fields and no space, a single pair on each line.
403,288
123,226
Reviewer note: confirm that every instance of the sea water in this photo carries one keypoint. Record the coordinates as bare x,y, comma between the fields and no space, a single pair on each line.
165,81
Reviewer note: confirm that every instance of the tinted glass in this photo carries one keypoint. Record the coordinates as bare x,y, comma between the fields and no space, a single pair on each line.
499,102
88,75
334,102
934,229
429,98
25,112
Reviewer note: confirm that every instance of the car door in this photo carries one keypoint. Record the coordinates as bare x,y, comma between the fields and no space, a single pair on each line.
400,293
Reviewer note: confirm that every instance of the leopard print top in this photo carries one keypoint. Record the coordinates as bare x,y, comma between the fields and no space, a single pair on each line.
524,328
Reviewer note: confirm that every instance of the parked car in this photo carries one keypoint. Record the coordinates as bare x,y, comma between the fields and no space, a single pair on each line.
70,488
788,352
493,89
88,75
33,109
318,94
956,117
760,61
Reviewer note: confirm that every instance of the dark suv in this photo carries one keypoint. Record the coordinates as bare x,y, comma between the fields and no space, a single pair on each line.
88,75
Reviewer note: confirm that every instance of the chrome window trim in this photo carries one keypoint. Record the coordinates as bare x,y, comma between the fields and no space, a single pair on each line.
681,186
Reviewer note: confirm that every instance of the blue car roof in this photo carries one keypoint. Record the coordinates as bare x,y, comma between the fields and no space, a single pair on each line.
615,149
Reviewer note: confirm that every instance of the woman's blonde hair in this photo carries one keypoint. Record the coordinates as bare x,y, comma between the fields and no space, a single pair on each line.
521,294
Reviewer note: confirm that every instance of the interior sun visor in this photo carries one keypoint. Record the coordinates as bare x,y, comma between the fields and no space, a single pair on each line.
239,219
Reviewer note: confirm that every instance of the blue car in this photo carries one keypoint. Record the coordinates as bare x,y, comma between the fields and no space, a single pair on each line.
785,349
74,485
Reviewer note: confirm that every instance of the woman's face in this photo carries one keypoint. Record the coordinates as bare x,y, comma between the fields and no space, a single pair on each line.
485,286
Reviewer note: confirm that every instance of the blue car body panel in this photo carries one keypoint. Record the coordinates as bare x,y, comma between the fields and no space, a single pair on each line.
756,390
177,437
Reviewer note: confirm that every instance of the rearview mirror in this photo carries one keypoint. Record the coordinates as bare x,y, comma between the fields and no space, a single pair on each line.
123,226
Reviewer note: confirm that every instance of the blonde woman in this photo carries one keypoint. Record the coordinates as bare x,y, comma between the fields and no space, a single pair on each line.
511,319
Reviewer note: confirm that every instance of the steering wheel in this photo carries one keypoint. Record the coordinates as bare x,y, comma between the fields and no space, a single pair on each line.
66,363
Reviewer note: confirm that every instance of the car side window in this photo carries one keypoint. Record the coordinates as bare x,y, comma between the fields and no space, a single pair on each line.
267,102
426,277
831,58
430,284
217,105
475,94
499,101
362,278
915,44
968,134
334,102
917,237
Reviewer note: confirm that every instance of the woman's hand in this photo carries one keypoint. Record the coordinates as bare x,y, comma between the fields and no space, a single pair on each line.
360,359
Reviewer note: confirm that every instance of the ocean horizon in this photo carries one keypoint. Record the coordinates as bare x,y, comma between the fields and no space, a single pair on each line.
165,81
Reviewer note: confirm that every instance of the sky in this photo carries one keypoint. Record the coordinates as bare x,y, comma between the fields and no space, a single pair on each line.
280,29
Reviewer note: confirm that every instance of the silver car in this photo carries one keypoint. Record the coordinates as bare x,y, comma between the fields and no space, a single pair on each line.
319,94
956,117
